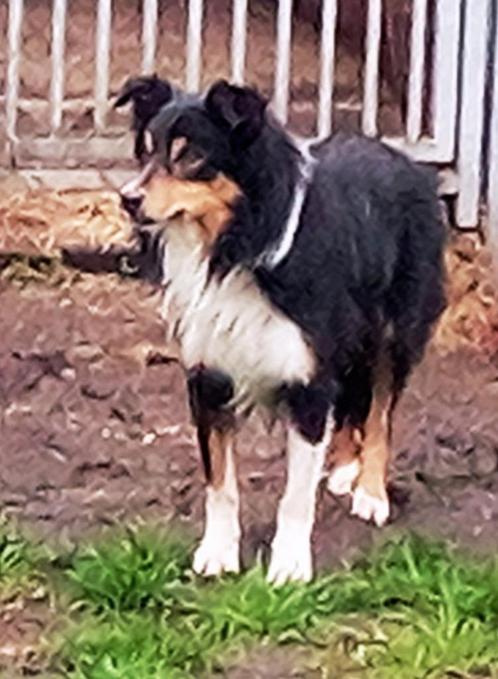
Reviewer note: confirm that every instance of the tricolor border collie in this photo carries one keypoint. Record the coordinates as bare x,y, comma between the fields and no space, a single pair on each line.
302,281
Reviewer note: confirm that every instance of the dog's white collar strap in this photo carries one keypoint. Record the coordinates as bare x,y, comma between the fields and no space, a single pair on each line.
281,249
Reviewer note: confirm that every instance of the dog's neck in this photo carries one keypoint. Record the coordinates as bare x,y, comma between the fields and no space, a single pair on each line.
279,250
271,182
281,184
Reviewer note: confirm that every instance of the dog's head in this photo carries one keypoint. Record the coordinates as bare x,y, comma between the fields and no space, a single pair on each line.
192,148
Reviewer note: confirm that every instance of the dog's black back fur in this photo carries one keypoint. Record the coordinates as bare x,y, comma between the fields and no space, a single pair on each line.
365,274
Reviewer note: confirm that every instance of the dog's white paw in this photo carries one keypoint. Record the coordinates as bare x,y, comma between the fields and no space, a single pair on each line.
342,478
217,556
370,508
291,560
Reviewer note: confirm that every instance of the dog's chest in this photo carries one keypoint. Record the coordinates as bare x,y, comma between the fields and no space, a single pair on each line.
230,326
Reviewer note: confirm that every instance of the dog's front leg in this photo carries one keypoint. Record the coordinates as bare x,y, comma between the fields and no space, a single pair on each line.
306,449
218,551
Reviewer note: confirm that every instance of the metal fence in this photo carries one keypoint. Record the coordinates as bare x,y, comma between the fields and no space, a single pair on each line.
462,60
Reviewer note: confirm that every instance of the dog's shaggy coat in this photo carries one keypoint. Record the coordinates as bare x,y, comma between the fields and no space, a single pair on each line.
302,280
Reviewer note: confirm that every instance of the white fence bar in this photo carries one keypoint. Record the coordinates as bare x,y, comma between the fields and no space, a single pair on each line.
417,63
194,45
282,69
239,34
371,85
102,61
149,35
14,56
445,78
472,112
493,160
59,11
327,63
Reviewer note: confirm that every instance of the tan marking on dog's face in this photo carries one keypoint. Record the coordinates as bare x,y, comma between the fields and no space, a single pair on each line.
207,202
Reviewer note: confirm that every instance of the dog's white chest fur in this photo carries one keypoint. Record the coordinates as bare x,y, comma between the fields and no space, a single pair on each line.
229,326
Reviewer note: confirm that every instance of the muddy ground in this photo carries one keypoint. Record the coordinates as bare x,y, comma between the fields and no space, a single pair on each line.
94,427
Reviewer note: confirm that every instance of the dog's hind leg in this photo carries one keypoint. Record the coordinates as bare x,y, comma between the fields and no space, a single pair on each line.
344,456
370,500
218,552
351,412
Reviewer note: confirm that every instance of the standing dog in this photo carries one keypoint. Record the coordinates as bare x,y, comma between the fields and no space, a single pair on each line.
303,282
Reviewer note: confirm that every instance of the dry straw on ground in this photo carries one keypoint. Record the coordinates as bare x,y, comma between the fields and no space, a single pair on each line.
42,222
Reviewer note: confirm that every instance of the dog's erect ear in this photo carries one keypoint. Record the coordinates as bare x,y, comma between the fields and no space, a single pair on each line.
147,95
239,110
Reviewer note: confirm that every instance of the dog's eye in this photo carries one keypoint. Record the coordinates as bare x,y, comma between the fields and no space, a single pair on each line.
148,142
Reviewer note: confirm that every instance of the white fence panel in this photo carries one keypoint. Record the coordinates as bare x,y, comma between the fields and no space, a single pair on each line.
58,45
149,35
327,67
16,8
417,71
371,85
194,44
475,57
239,33
458,70
282,69
102,62
492,193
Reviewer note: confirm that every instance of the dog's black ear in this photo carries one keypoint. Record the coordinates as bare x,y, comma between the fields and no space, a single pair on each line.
239,110
147,95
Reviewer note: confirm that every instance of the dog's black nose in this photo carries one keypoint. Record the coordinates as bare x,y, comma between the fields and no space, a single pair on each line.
132,203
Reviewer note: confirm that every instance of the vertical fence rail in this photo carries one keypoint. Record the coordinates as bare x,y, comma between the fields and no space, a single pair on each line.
493,156
13,62
448,49
371,86
472,111
417,64
327,63
149,35
194,45
58,49
102,62
239,36
282,68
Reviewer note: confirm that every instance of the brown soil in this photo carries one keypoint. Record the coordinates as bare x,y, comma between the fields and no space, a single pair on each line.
95,429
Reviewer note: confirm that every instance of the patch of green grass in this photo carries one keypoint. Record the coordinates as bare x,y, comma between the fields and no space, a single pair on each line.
424,611
132,571
412,609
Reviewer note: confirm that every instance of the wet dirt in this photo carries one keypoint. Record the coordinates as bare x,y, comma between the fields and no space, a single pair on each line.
95,429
